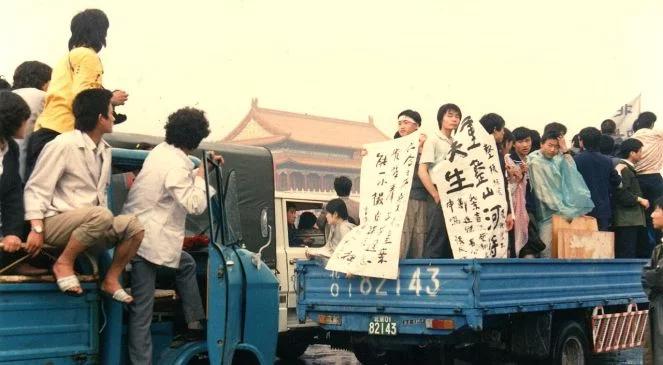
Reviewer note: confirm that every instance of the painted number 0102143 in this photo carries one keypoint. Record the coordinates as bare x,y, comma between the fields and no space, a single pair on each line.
422,282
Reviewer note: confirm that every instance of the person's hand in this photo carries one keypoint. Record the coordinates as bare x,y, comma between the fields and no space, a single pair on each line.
216,158
436,197
644,202
119,97
422,139
510,222
363,152
562,144
35,243
11,243
523,167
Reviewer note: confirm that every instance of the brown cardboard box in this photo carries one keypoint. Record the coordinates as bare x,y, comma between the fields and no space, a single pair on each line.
584,223
583,244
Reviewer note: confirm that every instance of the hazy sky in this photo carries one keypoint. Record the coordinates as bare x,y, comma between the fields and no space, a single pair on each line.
530,61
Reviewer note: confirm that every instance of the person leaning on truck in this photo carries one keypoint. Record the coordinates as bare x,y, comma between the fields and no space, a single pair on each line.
66,198
166,189
652,282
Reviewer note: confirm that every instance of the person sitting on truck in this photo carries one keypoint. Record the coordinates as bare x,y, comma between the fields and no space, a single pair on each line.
558,186
343,188
433,153
414,227
14,114
336,214
166,189
629,216
66,198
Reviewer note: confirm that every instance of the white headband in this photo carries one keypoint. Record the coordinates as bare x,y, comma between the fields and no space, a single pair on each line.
405,118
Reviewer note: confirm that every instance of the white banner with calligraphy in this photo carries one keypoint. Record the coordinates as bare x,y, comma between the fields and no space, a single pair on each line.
471,187
373,248
625,116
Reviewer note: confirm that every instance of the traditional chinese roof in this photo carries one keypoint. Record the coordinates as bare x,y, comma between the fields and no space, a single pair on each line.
281,158
263,127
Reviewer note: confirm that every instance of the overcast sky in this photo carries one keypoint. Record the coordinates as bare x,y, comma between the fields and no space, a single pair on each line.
530,61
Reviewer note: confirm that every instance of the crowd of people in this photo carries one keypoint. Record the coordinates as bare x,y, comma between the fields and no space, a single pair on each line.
54,177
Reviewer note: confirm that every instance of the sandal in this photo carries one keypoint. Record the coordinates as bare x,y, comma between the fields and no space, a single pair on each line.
120,295
67,283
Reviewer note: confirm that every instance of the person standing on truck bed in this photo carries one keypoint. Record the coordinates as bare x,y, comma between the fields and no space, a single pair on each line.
343,187
66,198
652,282
79,70
434,151
414,227
166,189
557,184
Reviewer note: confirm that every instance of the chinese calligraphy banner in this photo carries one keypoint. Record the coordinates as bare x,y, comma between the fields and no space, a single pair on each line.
372,249
471,187
625,116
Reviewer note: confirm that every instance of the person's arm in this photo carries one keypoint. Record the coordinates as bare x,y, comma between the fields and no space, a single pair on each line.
187,190
12,210
48,170
623,195
426,180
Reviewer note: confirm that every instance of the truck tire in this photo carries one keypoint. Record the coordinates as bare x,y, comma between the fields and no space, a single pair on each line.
570,345
370,355
290,350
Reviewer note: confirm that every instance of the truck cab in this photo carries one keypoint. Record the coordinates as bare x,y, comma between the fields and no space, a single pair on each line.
235,254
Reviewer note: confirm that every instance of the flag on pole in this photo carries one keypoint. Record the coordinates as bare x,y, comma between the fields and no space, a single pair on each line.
624,117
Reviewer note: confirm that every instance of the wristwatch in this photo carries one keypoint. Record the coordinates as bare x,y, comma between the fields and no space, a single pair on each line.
37,229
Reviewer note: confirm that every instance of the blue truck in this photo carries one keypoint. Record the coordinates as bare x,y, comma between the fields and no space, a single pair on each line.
40,325
525,310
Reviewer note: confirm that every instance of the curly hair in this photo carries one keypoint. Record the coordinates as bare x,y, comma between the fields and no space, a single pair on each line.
32,74
88,29
186,128
14,111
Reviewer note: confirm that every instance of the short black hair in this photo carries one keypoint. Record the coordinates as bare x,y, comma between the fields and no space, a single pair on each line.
492,122
307,220
658,203
521,133
555,126
508,136
412,114
186,128
550,135
608,126
88,29
32,74
337,206
343,186
575,141
606,145
4,84
536,139
290,206
444,109
646,120
591,138
628,146
87,107
14,111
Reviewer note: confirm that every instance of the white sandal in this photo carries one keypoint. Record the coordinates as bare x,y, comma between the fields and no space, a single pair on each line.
121,296
67,283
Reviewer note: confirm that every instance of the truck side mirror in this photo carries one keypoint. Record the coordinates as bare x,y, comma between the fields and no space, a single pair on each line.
264,223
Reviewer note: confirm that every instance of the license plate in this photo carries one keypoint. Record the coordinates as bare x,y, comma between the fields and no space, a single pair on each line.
382,326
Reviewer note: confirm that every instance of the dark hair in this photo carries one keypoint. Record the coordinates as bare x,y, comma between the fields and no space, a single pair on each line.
658,203
444,109
628,146
521,133
32,74
4,84
645,120
550,135
87,107
290,206
88,29
343,186
554,126
14,111
590,137
186,128
307,220
575,141
492,122
608,126
606,145
536,139
337,206
412,114
397,135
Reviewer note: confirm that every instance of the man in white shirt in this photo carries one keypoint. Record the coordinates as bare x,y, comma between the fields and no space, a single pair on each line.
66,195
167,189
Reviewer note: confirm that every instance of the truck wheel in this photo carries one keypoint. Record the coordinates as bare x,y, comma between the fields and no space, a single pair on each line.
290,350
370,355
570,345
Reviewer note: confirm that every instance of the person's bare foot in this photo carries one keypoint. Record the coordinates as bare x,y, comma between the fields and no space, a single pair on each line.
61,270
111,287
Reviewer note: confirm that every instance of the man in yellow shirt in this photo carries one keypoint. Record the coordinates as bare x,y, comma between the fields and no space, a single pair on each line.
79,70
